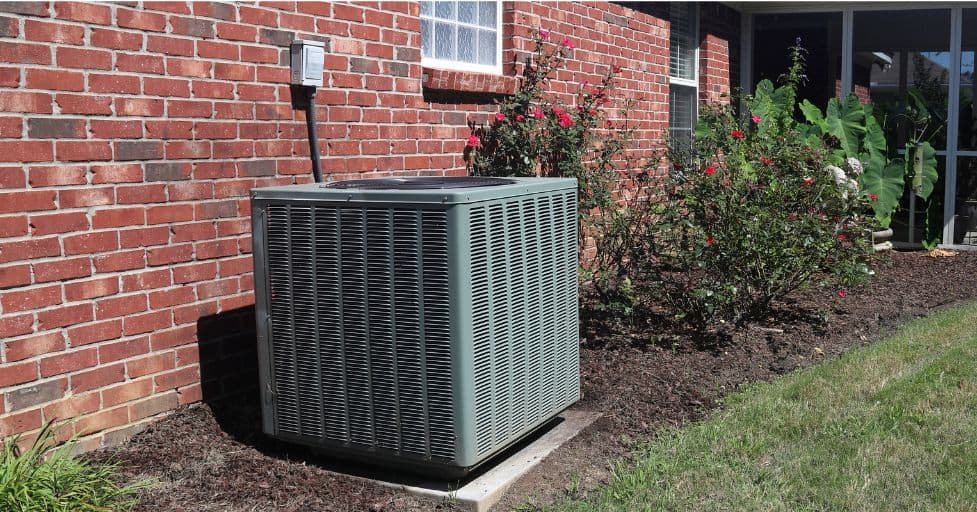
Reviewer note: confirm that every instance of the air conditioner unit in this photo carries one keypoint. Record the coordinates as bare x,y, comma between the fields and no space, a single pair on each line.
423,323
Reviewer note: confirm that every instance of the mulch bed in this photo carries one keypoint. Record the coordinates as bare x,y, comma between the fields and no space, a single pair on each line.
205,459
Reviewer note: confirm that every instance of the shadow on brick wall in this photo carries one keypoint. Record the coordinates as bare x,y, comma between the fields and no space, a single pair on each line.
229,370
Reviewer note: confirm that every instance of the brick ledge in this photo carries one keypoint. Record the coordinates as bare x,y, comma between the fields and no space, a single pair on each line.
468,81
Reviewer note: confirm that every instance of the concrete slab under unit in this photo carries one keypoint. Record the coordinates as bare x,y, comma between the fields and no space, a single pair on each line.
485,488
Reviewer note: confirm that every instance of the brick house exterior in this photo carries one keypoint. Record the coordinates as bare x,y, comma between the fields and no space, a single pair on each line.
131,134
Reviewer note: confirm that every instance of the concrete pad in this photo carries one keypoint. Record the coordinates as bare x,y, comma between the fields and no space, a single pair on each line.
485,488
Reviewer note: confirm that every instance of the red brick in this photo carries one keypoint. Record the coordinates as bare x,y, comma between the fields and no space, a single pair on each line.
118,217
169,213
85,12
68,362
151,364
193,312
127,260
145,237
258,16
127,392
91,243
125,84
24,53
229,71
170,45
189,108
9,77
59,223
20,422
169,129
27,201
84,197
141,20
12,177
84,59
56,80
213,289
33,102
237,32
164,298
193,27
101,420
153,406
15,275
117,306
170,254
64,315
87,150
195,272
217,248
149,279
127,173
208,89
62,269
139,64
123,349
141,194
168,87
13,226
57,175
116,39
138,107
36,345
98,378
116,129
177,378
26,151
37,30
15,325
188,150
188,67
91,289
71,407
217,50
29,249
170,338
93,333
22,300
190,394
190,190
193,232
147,322
215,130
11,127
259,54
240,301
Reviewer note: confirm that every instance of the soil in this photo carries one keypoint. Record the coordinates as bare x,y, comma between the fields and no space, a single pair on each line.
215,459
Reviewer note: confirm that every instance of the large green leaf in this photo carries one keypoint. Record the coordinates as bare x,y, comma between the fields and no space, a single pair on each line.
885,183
874,142
812,114
846,122
924,169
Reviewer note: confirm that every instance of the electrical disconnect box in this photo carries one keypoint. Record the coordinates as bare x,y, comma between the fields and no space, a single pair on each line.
308,58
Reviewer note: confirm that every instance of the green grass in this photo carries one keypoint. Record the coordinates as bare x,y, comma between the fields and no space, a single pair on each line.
892,426
45,479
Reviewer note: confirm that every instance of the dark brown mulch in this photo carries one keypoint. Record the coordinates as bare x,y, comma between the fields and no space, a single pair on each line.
206,460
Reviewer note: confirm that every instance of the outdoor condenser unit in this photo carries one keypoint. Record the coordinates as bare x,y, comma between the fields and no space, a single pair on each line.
423,323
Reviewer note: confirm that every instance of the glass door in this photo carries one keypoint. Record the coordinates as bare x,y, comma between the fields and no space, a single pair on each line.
964,212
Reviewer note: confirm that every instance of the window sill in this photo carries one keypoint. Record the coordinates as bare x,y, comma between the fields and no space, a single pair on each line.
468,81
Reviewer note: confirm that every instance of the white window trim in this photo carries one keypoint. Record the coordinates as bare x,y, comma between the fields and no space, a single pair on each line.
694,81
453,65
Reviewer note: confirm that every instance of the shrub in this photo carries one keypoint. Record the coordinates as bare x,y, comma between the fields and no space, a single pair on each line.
751,213
42,478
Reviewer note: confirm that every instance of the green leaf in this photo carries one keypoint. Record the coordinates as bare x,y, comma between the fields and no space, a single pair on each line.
924,170
886,182
874,142
846,122
813,116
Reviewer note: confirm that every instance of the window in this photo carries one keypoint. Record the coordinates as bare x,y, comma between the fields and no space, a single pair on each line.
683,72
465,36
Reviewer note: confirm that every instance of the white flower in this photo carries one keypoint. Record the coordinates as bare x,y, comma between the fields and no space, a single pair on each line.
854,166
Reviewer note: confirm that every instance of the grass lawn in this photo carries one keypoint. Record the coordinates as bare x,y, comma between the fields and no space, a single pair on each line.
892,426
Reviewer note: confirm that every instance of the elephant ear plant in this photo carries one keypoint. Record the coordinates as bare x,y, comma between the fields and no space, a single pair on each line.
860,140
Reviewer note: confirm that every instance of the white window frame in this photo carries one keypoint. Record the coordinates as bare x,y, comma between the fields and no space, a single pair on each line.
453,65
687,82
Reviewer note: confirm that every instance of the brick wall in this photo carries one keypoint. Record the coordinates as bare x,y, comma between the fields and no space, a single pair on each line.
131,134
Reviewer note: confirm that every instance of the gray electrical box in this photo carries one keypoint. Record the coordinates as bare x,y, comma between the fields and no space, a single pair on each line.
308,58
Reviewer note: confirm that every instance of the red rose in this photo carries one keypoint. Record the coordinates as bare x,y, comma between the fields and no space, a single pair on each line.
538,113
842,293
520,117
565,120
737,134
765,161
710,169
568,43
710,241
808,181
500,117
842,236
473,142
592,112
873,197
